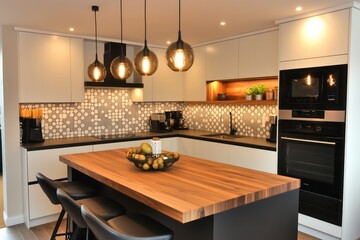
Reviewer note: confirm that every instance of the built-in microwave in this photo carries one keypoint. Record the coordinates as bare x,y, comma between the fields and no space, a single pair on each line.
317,88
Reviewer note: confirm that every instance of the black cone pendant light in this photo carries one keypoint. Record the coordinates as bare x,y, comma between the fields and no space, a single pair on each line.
145,61
179,55
121,67
96,70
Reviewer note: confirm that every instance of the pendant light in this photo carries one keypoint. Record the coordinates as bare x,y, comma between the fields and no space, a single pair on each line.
179,55
146,61
96,70
121,67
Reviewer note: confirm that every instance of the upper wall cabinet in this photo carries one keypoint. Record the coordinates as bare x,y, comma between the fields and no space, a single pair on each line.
167,84
195,83
222,60
50,68
258,55
315,37
163,85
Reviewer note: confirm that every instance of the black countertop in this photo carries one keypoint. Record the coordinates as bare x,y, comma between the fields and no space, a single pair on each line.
259,143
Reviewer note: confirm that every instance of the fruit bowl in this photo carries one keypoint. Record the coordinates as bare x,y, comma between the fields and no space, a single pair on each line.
148,162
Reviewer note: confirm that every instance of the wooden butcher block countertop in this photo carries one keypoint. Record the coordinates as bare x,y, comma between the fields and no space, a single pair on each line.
191,189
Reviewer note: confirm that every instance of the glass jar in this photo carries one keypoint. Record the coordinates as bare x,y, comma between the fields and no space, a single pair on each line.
269,94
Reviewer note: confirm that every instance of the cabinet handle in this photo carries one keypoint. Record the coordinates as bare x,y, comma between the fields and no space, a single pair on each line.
306,140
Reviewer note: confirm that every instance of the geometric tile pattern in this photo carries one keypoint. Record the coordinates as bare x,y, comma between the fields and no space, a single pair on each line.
247,119
111,111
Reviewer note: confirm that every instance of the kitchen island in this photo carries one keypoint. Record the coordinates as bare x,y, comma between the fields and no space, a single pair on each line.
196,198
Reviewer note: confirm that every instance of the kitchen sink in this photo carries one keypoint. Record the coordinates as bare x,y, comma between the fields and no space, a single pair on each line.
222,136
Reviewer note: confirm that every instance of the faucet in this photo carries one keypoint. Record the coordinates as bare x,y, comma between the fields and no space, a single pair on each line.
232,130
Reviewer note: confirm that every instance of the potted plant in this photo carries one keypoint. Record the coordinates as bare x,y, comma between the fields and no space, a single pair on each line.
258,91
248,94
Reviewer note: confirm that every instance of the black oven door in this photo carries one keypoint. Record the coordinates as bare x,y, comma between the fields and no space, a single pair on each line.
317,161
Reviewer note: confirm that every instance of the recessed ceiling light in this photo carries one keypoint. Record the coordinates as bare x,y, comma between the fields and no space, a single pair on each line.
222,23
298,8
71,29
168,42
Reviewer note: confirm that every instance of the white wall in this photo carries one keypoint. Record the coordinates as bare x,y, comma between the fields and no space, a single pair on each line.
13,198
351,211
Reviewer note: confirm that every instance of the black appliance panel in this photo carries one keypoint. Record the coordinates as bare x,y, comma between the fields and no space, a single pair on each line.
314,153
322,88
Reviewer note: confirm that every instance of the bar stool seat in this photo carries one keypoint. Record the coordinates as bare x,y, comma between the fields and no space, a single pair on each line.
102,206
76,190
125,227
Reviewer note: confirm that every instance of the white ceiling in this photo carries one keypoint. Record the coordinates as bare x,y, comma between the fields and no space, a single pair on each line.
200,18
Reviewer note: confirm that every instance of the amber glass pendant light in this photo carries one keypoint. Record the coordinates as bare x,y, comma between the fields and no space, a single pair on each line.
146,61
179,55
121,67
96,70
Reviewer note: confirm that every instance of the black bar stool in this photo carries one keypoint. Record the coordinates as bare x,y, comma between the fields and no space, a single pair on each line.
125,227
76,190
102,206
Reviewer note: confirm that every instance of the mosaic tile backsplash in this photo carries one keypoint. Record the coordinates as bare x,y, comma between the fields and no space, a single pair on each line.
111,111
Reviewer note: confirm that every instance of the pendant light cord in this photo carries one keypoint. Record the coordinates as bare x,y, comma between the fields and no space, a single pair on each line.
96,52
145,22
179,15
121,22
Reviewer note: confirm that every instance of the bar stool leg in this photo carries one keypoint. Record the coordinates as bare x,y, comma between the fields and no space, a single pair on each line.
61,216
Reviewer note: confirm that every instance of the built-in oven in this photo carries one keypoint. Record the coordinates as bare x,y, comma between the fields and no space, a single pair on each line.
313,151
311,137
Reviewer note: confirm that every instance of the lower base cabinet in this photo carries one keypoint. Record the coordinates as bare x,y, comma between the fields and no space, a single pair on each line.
217,152
37,207
256,159
252,158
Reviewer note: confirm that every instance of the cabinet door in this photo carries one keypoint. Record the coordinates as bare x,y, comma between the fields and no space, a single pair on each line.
47,162
50,68
195,83
319,36
222,60
44,68
167,84
258,55
186,146
252,158
217,152
77,74
39,203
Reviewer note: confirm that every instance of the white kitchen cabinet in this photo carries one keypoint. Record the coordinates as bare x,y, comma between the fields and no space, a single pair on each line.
252,158
38,208
164,85
50,68
258,55
39,203
195,82
186,146
222,60
167,84
217,152
314,37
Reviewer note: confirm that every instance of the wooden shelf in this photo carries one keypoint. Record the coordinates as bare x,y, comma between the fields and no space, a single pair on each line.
235,89
240,102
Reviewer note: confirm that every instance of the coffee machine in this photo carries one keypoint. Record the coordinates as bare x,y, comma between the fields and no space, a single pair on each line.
158,123
31,130
175,120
